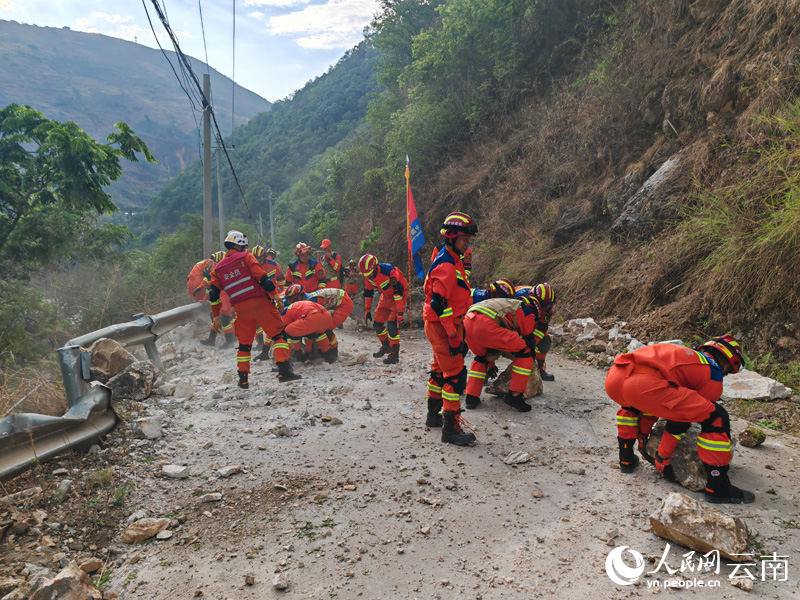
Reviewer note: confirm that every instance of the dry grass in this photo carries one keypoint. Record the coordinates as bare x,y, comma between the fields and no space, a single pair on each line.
32,390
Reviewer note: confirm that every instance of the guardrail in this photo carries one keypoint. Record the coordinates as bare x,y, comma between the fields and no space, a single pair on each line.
29,438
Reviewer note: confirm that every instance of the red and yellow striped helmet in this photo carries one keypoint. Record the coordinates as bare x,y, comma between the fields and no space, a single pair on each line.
546,296
218,255
258,252
367,264
729,348
292,291
502,288
302,248
457,224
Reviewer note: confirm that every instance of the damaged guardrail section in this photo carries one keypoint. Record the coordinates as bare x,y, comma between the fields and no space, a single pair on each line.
26,439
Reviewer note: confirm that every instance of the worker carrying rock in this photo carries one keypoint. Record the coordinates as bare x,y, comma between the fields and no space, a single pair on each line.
251,292
683,386
310,320
351,279
331,263
447,297
388,321
546,297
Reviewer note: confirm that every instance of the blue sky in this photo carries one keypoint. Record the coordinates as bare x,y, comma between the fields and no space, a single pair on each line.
280,44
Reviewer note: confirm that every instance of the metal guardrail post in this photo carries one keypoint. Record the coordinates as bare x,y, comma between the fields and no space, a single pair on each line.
69,358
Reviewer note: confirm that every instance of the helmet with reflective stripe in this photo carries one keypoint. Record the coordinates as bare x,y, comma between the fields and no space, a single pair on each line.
302,248
546,296
367,264
728,347
325,244
271,252
457,224
258,252
502,288
218,255
533,303
236,237
294,290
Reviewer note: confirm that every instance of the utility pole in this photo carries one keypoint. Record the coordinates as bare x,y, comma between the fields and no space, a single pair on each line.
207,248
222,231
260,225
271,223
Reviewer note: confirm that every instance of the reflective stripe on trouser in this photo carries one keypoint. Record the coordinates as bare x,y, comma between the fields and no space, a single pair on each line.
484,334
633,424
714,448
444,364
669,441
342,312
476,378
313,324
250,314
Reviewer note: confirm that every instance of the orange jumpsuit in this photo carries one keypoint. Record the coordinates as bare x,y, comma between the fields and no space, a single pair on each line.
310,275
309,319
674,383
239,274
351,281
447,284
505,324
543,324
197,286
337,301
392,304
332,265
275,273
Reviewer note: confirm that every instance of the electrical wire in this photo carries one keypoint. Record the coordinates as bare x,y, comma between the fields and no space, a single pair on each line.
233,74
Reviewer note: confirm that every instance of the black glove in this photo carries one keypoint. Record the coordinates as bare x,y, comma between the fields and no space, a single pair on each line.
464,349
491,372
367,317
267,284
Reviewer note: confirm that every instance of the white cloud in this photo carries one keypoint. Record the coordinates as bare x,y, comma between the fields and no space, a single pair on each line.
115,19
256,14
336,24
81,23
6,4
275,3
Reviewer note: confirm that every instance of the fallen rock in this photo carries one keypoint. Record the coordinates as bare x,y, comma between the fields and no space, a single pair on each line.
517,458
7,584
689,470
698,526
164,535
752,437
175,471
501,385
749,385
743,584
148,428
229,470
109,358
281,581
143,529
69,584
91,565
212,497
134,383
184,390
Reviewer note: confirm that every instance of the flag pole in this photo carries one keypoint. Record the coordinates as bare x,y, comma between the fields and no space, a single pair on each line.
408,230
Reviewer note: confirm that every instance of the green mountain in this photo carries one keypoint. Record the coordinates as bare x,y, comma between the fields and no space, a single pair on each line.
98,81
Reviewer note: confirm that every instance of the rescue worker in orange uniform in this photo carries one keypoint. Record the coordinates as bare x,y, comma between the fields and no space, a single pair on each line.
197,286
305,270
546,296
507,325
307,319
447,298
502,288
266,258
337,302
466,260
351,279
682,386
251,293
332,265
393,288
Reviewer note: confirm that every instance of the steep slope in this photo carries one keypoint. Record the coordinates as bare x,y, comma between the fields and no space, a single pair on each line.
98,81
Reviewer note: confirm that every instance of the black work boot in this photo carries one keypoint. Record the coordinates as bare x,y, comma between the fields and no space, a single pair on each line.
331,354
383,351
229,339
264,356
394,356
516,401
434,417
543,371
285,373
300,355
472,402
243,380
719,489
452,433
211,339
627,459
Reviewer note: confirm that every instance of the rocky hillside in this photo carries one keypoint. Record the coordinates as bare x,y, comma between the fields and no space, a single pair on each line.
73,76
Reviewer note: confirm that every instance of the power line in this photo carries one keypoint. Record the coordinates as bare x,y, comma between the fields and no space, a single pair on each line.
233,73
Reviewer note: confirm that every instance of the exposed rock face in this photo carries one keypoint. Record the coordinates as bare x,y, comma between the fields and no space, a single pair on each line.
573,221
135,382
143,529
689,470
69,584
749,385
698,526
109,358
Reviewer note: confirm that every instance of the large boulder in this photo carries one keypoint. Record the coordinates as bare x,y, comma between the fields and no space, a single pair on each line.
748,385
573,221
501,385
698,526
70,584
135,382
109,358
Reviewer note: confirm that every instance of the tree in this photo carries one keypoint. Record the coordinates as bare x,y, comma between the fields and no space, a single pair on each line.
46,164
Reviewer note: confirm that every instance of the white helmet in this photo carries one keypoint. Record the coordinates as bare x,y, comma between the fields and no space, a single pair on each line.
237,237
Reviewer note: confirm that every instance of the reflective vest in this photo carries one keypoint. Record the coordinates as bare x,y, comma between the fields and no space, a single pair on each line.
502,311
236,279
330,298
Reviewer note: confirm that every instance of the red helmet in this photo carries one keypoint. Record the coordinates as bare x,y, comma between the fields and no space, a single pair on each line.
457,224
218,256
292,291
502,288
532,302
545,295
727,347
325,244
367,264
302,248
258,252
271,252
